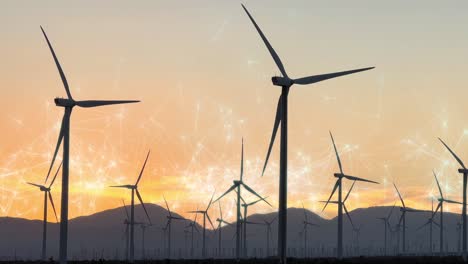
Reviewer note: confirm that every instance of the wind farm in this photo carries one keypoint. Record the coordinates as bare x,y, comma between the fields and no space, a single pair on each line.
199,84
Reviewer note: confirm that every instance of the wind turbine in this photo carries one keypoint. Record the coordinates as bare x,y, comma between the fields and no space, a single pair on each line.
134,189
285,82
268,234
143,227
386,221
237,187
170,217
205,216
127,227
246,206
340,202
430,222
193,226
64,135
463,170
440,206
47,194
220,221
306,223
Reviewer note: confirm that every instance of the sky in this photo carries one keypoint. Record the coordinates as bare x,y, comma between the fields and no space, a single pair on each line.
203,77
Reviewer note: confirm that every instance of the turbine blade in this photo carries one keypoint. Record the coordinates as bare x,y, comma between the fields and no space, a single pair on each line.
401,219
399,195
336,152
451,201
142,169
57,63
209,220
254,193
350,189
273,134
256,201
96,103
273,53
453,154
33,184
167,206
143,205
59,142
323,77
211,201
53,206
55,176
438,185
437,209
354,178
347,214
125,208
334,189
242,161
419,228
391,211
304,210
119,186
228,191
220,211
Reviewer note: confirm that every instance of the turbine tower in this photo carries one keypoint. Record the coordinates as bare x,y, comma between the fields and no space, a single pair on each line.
64,135
127,232
205,216
237,188
285,82
440,206
340,202
386,221
47,194
268,234
170,217
134,189
463,170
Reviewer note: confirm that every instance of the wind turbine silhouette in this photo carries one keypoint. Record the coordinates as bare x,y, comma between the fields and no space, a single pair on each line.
268,234
237,187
193,226
127,227
205,216
246,206
340,202
47,194
285,82
440,206
429,223
403,210
306,223
386,221
463,170
134,189
170,217
220,221
143,227
64,135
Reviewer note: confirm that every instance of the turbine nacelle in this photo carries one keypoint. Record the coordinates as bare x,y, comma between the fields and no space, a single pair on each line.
464,171
282,81
64,102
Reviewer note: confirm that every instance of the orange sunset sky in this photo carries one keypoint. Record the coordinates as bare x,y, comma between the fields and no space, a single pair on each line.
203,76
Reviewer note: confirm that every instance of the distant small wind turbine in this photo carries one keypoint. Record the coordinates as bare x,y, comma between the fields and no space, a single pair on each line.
268,234
134,189
403,210
220,221
205,216
193,226
64,135
237,188
440,206
246,206
285,82
386,222
306,224
463,170
340,202
47,194
429,223
170,217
